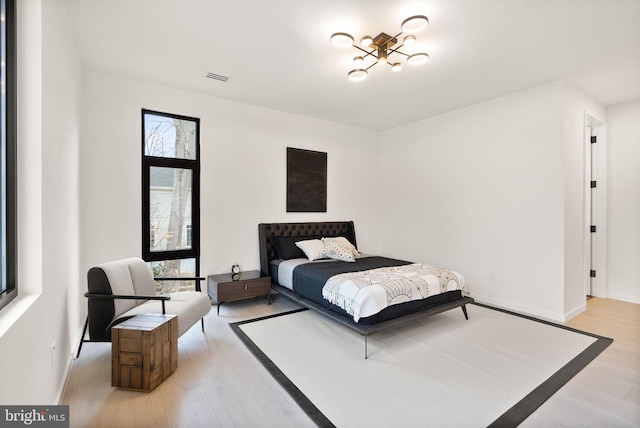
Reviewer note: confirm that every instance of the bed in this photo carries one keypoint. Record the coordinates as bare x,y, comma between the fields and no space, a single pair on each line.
311,283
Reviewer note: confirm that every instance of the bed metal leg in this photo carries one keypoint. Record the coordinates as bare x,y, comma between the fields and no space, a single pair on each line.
464,311
365,348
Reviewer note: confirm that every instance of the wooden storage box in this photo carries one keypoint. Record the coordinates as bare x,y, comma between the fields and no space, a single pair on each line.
144,351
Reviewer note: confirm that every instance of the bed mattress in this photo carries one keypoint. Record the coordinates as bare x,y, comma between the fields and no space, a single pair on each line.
308,279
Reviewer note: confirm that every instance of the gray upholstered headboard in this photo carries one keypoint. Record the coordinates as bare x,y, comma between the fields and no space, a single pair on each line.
326,228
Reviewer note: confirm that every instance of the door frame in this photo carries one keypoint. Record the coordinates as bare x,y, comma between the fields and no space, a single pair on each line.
595,248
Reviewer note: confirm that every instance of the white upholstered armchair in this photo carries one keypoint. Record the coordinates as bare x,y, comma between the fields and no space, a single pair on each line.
121,289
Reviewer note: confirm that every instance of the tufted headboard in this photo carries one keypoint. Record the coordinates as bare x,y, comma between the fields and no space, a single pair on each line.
326,228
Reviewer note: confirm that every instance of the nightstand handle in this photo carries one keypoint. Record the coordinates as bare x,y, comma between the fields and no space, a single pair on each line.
246,286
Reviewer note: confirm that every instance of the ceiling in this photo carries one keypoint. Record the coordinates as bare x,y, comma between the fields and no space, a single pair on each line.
277,53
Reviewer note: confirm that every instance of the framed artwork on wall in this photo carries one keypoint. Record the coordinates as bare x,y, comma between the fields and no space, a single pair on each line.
306,180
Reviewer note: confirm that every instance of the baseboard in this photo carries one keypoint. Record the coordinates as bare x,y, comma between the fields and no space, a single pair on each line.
63,385
521,309
577,311
72,356
623,297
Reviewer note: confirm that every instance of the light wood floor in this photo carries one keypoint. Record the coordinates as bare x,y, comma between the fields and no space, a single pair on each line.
606,393
220,384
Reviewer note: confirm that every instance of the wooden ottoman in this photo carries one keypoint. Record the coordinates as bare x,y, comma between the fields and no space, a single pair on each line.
144,351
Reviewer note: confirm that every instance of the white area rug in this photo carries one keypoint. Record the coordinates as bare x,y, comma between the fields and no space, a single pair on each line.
442,371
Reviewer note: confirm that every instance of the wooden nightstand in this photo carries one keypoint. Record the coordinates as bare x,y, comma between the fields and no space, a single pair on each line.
223,288
144,351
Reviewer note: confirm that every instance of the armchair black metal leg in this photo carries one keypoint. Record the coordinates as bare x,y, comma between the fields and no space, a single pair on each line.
464,311
202,322
84,331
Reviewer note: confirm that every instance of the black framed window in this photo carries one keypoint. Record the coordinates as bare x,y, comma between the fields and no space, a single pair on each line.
171,197
8,159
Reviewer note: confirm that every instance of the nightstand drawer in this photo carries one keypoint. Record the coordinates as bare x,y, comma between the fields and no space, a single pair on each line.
236,290
245,285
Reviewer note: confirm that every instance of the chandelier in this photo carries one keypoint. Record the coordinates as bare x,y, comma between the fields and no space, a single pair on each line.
381,47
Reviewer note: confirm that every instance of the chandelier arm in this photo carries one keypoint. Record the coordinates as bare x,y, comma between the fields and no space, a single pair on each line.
367,53
397,51
367,69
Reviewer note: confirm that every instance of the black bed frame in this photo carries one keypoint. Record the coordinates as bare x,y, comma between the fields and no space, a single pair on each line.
346,229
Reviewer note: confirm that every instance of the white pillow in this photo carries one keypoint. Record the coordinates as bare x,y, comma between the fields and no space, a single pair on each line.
337,250
312,248
342,241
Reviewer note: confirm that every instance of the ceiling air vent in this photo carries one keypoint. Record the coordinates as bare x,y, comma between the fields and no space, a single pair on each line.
217,77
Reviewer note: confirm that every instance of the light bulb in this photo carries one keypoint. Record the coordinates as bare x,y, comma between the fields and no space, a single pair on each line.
366,41
396,66
358,74
341,39
409,40
419,58
414,24
358,61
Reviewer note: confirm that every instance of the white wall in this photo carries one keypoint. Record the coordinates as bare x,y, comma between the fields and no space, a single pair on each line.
243,154
48,310
623,209
483,190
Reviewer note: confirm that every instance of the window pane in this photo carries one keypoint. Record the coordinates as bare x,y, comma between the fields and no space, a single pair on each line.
169,137
170,208
3,151
8,147
183,268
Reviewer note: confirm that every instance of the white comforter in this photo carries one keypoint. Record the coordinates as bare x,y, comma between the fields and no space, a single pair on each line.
365,293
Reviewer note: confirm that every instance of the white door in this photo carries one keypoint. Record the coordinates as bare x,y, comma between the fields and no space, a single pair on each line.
595,206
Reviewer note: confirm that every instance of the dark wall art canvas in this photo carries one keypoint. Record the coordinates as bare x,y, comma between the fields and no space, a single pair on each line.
306,180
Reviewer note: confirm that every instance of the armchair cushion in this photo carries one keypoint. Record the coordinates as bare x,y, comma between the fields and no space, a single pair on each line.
119,281
141,276
197,302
